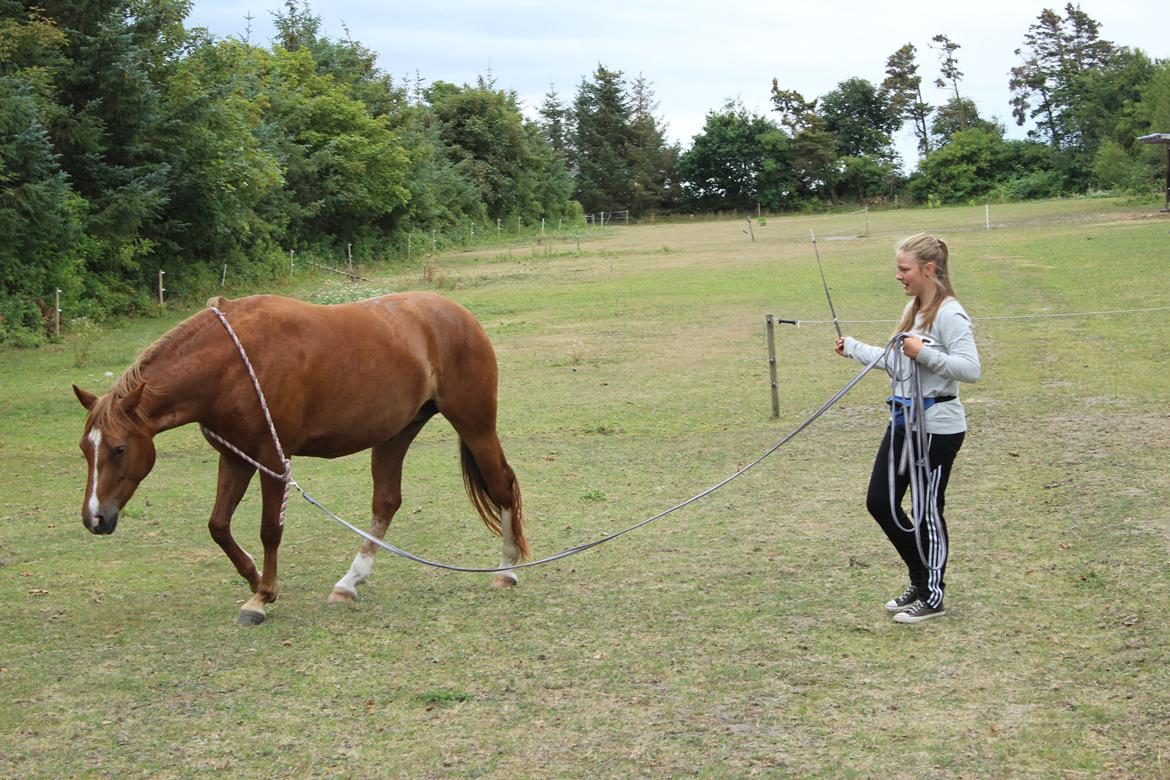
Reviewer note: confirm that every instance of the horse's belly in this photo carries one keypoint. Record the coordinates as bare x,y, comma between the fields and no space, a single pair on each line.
330,447
339,442
354,432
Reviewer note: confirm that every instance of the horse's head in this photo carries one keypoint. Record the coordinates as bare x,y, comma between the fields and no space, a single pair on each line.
119,449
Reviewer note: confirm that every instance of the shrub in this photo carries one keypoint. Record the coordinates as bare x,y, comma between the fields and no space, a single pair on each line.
1037,184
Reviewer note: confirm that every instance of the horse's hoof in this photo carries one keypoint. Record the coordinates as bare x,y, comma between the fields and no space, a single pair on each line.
339,596
504,580
248,617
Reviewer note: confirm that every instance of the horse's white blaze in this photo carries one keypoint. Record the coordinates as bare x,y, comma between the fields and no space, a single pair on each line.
95,438
359,572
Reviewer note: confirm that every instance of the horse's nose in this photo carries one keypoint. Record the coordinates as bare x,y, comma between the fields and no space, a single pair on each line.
104,523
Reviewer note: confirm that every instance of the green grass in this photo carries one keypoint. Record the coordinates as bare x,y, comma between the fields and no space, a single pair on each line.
743,635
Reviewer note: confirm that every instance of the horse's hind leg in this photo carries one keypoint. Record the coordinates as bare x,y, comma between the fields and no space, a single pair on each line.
386,466
491,474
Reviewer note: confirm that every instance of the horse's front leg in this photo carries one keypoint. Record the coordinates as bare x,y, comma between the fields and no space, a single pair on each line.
271,531
234,476
386,468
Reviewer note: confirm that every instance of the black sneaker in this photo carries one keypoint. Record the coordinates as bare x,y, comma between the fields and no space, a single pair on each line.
918,612
903,602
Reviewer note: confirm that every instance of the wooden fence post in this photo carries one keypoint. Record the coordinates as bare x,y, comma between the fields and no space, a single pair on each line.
771,330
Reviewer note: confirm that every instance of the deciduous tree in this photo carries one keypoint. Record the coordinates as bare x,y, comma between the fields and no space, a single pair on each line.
861,117
504,155
737,161
953,116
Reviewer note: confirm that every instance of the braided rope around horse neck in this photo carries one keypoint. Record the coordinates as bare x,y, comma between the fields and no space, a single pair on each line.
286,477
893,345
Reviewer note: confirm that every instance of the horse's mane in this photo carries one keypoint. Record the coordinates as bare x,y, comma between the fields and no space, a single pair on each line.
104,409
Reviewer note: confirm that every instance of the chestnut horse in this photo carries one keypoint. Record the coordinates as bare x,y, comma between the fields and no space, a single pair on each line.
337,379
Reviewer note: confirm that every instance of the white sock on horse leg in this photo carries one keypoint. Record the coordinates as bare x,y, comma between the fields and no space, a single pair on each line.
359,572
511,553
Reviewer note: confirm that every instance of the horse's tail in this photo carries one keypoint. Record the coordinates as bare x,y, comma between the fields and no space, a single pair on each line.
488,509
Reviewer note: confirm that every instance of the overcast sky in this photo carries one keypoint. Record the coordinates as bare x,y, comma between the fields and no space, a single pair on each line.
696,55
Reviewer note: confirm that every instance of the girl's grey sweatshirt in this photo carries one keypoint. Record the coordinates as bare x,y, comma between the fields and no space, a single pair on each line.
951,358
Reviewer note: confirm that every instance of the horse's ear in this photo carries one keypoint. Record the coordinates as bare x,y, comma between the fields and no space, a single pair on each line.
131,400
216,302
87,398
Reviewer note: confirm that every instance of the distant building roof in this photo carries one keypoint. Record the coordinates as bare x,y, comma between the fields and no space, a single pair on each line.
1155,138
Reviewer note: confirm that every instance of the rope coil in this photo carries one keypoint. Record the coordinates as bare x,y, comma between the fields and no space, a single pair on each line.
915,442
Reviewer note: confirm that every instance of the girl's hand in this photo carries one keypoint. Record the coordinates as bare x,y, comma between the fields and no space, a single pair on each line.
840,348
911,346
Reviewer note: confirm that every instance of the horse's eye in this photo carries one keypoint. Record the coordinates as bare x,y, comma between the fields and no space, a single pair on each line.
120,450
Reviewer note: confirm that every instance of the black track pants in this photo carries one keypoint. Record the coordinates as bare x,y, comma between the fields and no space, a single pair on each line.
942,448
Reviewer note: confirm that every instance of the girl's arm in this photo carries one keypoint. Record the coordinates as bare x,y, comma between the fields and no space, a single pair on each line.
863,353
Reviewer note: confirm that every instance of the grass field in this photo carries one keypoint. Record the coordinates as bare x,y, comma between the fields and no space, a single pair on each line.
741,636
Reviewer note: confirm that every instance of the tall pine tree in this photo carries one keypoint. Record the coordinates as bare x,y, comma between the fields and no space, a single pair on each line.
601,142
653,162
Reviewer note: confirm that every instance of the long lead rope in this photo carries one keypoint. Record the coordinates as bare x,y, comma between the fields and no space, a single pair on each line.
893,345
609,538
